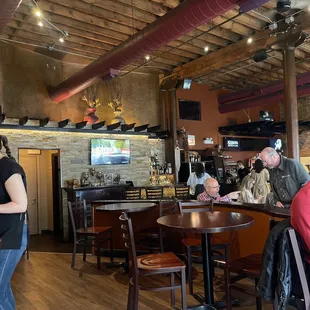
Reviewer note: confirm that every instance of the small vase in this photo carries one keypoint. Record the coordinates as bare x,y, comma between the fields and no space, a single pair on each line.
118,118
91,117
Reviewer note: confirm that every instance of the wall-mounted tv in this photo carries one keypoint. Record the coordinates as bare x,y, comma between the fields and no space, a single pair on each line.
110,152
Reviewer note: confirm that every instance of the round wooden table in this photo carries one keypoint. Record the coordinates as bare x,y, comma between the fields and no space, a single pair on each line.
126,207
206,223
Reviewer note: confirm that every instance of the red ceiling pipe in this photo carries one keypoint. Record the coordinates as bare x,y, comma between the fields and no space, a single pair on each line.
253,93
185,17
302,91
7,9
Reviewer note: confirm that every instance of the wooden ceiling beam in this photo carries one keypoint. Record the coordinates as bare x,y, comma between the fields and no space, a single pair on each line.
62,14
233,26
233,53
225,56
85,17
56,35
246,20
79,24
86,33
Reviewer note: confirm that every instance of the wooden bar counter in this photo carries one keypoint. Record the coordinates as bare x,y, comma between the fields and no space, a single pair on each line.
243,243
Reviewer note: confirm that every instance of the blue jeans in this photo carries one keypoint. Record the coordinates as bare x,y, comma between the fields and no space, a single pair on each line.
8,262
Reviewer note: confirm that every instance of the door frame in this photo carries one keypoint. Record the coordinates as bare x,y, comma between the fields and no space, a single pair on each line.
38,188
39,199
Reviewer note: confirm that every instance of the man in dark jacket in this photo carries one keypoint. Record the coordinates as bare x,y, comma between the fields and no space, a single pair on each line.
287,177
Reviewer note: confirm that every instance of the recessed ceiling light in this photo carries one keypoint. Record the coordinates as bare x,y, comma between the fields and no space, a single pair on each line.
38,13
147,57
206,48
250,40
61,40
40,24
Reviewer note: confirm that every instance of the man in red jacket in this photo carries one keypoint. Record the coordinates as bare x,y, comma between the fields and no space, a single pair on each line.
300,215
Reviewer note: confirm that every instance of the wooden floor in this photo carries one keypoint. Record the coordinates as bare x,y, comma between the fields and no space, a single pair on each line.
46,281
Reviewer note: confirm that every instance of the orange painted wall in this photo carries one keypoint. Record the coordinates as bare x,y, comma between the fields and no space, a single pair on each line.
211,119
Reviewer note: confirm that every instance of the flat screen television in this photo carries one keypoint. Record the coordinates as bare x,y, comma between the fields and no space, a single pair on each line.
277,144
110,152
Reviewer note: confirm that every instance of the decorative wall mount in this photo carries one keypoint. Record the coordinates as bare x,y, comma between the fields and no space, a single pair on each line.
27,123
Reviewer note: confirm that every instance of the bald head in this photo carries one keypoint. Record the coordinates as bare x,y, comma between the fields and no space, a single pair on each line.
270,157
211,187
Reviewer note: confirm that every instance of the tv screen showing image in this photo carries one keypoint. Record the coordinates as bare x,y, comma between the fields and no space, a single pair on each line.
277,144
110,152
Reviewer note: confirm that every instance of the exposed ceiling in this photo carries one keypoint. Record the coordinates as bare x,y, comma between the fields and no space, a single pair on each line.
97,26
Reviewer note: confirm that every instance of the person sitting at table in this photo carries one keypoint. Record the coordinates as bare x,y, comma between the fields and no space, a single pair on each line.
260,175
197,177
246,195
211,192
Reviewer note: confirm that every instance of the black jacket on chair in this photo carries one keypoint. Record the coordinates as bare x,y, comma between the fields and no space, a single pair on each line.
278,269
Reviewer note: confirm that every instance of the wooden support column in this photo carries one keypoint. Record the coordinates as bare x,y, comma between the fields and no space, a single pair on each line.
173,128
291,107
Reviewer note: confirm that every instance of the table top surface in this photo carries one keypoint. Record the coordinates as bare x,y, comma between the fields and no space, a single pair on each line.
271,211
206,222
126,207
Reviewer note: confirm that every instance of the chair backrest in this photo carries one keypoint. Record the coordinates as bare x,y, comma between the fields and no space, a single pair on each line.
199,189
300,268
128,237
167,207
195,206
133,193
78,214
181,192
155,192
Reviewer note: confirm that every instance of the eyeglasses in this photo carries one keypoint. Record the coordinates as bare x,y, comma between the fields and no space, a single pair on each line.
214,186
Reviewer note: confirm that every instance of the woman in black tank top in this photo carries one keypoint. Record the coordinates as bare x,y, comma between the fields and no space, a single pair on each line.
13,229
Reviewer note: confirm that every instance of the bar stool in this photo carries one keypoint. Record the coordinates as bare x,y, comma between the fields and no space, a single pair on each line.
193,245
133,193
181,192
152,238
245,267
87,236
150,264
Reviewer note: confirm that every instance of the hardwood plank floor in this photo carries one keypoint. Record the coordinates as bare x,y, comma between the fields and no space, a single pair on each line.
46,282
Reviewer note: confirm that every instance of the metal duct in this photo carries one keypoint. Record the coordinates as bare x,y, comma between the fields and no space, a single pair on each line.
185,17
7,9
253,93
276,97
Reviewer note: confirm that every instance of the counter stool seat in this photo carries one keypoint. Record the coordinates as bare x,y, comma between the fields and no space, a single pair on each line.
93,230
249,265
245,267
162,261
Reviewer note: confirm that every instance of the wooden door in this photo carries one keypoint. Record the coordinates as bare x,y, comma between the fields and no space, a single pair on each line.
29,163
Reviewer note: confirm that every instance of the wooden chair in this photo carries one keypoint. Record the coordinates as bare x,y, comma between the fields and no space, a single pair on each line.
151,264
152,239
154,193
245,267
302,301
181,192
133,193
193,244
87,236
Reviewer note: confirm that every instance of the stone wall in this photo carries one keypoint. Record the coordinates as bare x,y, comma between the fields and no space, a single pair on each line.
75,155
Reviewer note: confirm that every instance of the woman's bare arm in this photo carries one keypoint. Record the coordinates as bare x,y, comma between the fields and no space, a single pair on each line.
16,190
